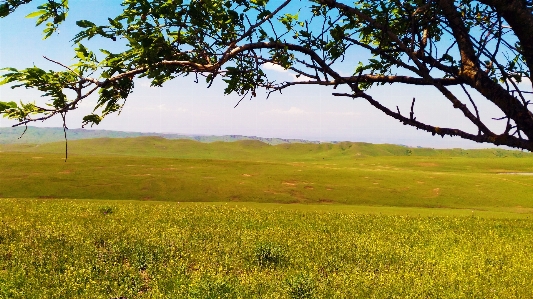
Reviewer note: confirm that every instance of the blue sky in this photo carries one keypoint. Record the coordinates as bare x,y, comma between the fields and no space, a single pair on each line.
181,106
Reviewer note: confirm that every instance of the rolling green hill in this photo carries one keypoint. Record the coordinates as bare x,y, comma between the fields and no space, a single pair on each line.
151,146
154,168
37,135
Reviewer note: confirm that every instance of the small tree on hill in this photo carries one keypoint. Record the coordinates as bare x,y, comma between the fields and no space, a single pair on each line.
484,45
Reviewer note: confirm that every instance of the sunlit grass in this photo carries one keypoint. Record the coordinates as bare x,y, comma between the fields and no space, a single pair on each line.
382,181
246,220
107,249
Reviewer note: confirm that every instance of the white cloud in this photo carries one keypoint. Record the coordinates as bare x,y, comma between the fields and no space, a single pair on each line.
274,67
277,68
144,83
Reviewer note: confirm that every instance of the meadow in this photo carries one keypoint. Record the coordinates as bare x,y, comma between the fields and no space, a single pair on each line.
155,218
251,171
112,249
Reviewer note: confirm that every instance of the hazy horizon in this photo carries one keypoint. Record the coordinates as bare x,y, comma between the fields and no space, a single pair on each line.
450,144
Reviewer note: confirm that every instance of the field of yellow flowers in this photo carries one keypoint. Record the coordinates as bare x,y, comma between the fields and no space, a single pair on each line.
113,249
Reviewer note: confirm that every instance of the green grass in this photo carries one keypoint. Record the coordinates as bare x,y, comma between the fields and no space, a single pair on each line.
155,218
250,171
249,150
108,249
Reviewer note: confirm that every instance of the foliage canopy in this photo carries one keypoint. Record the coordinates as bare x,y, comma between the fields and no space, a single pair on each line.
484,46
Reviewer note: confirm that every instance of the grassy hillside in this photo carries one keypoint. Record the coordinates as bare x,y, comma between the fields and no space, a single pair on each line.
151,168
247,150
38,135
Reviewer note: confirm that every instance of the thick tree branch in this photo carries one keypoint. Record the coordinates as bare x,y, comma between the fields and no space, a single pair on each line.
365,78
423,71
521,21
475,77
503,139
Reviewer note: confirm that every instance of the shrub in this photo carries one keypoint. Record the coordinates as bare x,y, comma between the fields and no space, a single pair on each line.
301,286
269,254
107,210
210,288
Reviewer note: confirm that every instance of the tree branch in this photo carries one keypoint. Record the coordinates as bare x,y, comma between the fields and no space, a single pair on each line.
503,139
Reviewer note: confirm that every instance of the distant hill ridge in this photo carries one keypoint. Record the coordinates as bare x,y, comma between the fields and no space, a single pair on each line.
37,135
217,147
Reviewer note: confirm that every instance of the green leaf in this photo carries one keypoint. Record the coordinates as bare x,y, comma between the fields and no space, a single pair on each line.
7,105
9,69
91,119
115,23
85,24
36,14
4,10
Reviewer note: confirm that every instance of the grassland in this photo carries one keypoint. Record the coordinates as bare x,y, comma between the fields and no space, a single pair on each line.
108,249
156,218
346,173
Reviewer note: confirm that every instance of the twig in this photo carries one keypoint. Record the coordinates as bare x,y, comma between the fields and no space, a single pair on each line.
59,63
63,115
412,114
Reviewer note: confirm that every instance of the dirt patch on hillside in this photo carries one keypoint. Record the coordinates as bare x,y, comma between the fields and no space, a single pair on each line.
522,210
272,192
107,184
301,164
517,173
235,197
427,164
